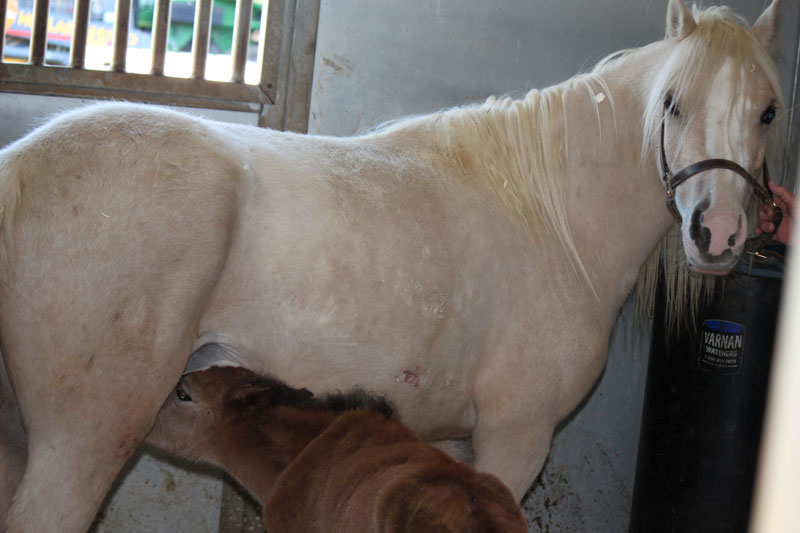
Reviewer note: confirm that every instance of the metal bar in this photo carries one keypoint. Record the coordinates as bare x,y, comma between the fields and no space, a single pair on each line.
41,9
275,50
270,47
20,78
120,43
161,16
201,37
301,66
3,7
80,29
241,38
262,34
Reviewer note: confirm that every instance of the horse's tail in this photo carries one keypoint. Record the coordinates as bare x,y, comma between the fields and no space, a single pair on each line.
13,447
9,196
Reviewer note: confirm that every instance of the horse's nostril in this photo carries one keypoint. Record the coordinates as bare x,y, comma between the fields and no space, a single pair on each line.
716,233
700,234
694,227
732,238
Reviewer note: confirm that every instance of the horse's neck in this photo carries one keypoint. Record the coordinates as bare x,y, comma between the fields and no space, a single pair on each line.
617,202
257,453
615,206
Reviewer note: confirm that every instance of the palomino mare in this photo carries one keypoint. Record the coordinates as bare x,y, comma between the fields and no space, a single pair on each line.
469,265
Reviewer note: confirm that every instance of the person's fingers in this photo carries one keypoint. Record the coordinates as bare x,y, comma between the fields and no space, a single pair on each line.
783,196
766,227
780,190
765,218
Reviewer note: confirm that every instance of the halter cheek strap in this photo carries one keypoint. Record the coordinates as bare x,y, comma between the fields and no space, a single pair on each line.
671,181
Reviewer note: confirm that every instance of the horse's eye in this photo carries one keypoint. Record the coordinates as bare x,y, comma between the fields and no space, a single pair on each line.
181,394
670,106
769,115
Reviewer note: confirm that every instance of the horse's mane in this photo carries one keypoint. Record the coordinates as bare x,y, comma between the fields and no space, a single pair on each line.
720,36
518,148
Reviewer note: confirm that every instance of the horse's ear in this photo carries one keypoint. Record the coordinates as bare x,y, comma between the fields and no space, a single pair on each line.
680,21
765,30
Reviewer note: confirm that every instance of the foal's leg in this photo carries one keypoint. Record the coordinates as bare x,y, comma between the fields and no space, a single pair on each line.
13,450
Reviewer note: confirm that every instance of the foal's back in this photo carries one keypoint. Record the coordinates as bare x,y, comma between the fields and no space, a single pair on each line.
367,472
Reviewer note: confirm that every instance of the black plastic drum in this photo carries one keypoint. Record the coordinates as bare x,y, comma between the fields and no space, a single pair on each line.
703,410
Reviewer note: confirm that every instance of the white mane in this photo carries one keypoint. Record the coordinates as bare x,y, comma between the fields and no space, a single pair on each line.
518,148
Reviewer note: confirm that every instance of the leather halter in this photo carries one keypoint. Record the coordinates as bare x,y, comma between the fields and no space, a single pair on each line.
671,181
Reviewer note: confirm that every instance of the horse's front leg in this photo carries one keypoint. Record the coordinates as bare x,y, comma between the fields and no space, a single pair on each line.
513,448
514,400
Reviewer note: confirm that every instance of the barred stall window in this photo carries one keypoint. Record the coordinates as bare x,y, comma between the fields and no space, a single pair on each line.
238,55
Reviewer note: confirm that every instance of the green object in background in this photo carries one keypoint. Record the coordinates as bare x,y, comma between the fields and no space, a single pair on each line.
182,22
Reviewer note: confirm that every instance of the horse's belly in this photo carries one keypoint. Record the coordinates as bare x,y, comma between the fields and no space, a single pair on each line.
408,335
429,386
374,283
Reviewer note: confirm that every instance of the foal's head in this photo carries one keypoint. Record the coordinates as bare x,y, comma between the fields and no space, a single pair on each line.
203,402
206,404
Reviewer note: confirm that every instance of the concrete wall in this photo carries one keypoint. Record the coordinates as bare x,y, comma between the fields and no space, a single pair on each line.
380,59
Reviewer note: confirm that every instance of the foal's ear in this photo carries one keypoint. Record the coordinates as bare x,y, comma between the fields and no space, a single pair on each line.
765,30
248,395
680,21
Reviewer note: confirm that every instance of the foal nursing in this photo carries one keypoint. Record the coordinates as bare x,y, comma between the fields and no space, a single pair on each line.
339,463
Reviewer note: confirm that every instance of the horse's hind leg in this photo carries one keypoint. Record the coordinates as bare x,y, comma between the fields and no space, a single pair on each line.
91,370
13,451
109,258
94,337
85,414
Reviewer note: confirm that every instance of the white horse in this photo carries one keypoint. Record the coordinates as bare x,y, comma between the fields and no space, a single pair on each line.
469,265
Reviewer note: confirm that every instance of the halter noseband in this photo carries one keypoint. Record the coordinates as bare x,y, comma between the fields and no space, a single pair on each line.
671,181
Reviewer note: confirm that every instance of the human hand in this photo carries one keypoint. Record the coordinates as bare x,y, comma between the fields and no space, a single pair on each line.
785,199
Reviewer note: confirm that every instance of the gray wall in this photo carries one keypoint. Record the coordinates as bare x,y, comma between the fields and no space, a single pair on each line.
380,59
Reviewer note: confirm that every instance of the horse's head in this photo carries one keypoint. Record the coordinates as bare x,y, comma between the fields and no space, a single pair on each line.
712,103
